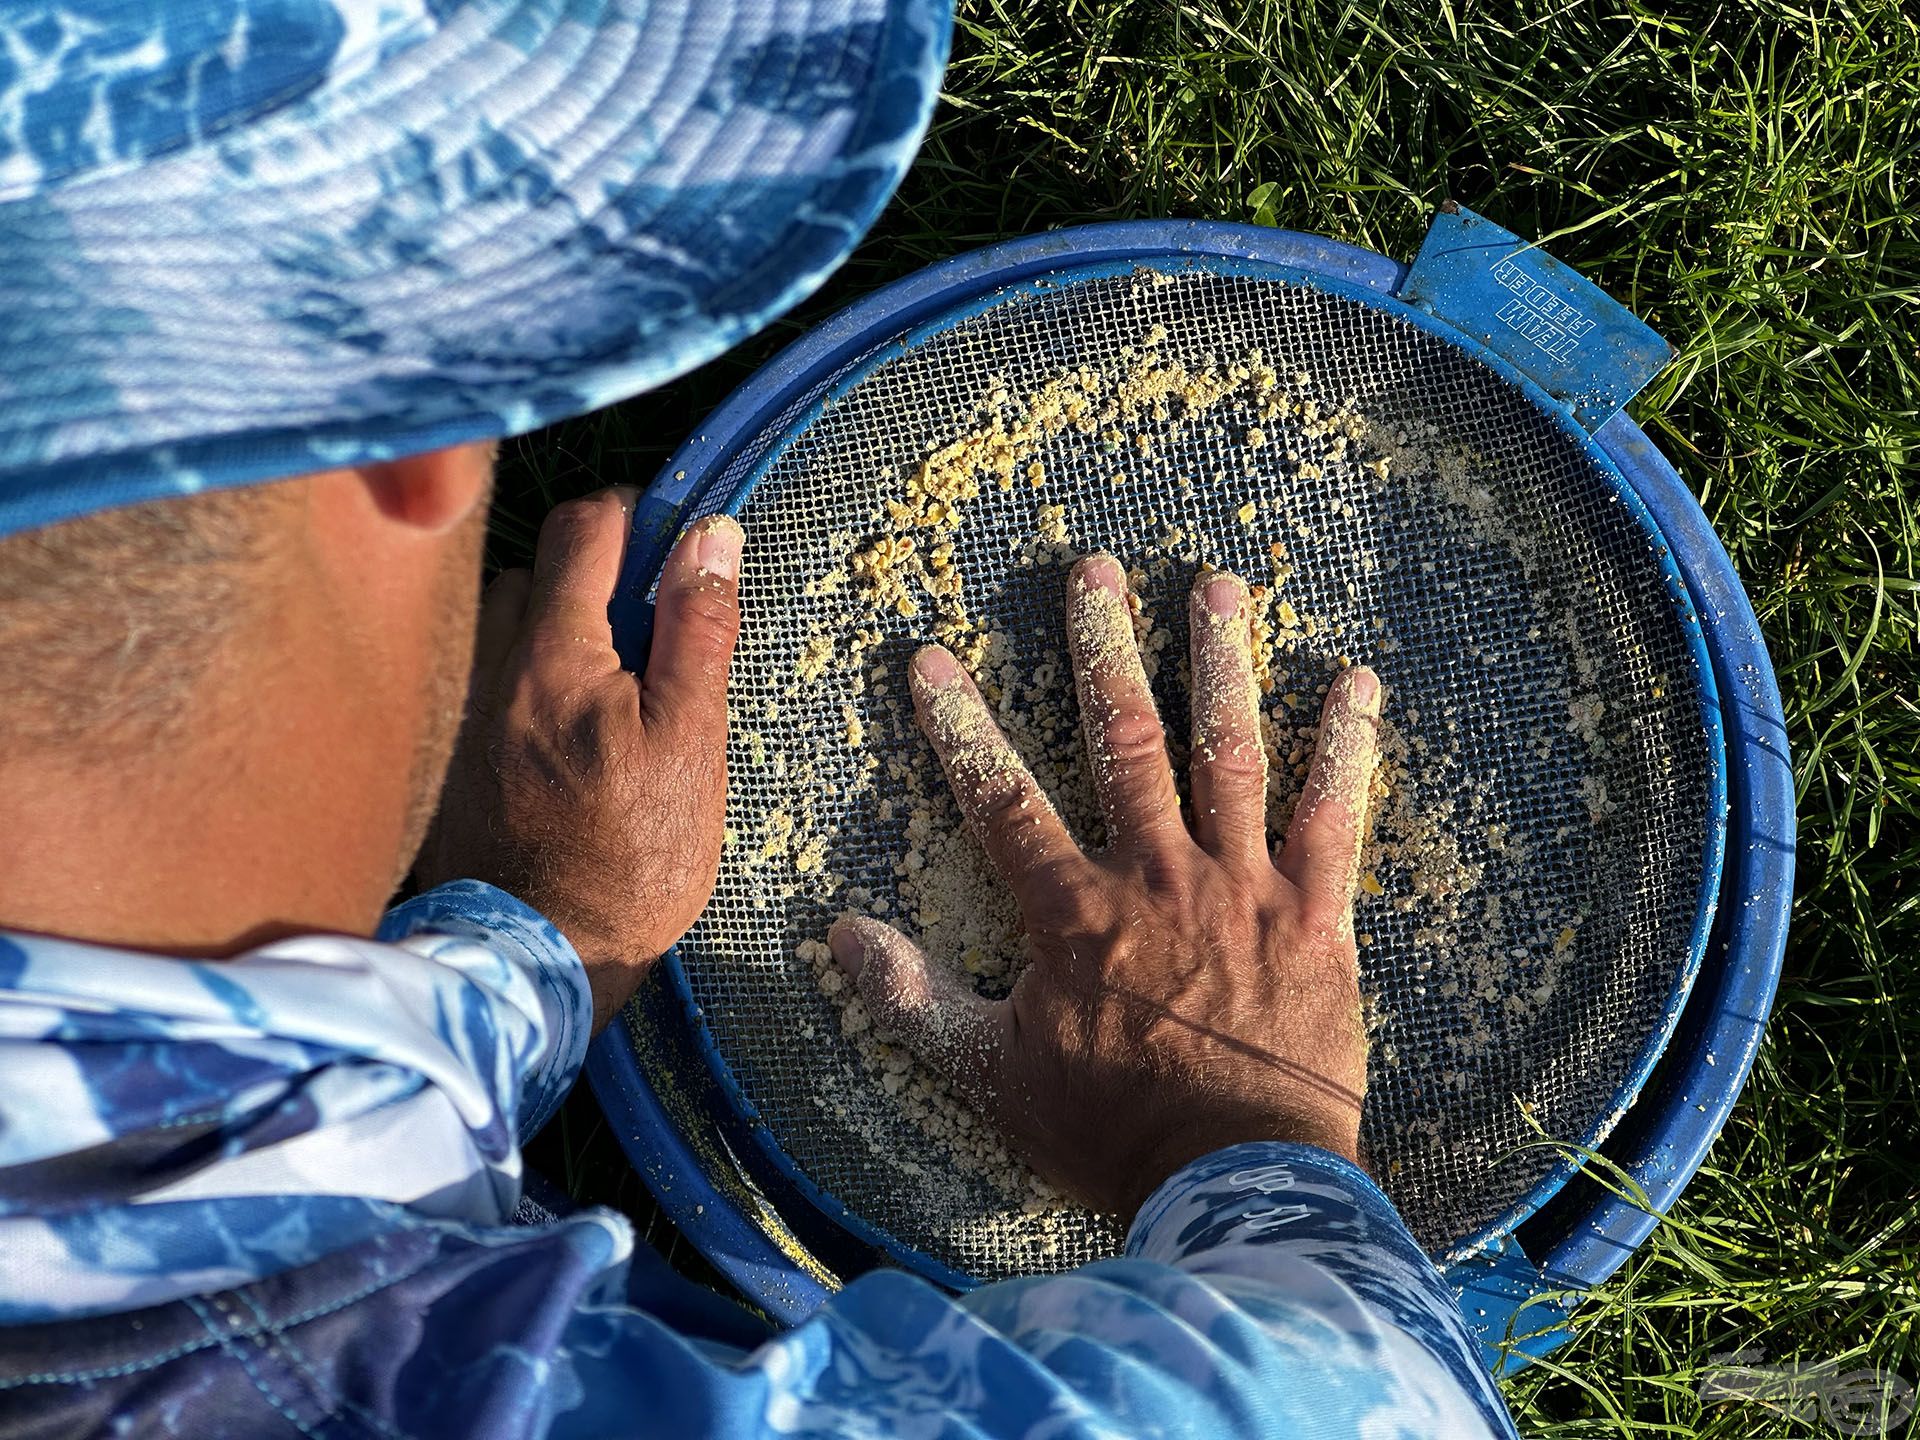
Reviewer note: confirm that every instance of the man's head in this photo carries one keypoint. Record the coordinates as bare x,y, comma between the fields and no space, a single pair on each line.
317,261
181,673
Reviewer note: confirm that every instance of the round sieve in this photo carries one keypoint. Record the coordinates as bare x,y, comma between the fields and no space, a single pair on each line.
1529,935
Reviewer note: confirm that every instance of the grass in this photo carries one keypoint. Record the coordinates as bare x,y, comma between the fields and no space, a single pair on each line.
1741,174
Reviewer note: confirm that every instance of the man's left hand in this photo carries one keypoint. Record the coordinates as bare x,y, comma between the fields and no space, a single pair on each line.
592,793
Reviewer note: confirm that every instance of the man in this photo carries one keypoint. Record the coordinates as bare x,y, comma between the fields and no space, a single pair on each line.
259,1142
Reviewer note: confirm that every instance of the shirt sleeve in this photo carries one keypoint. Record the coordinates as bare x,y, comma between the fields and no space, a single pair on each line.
475,929
170,1127
1266,1290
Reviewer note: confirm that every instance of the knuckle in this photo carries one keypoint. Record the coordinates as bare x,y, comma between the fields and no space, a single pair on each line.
584,509
566,521
1233,759
1001,806
706,614
1133,738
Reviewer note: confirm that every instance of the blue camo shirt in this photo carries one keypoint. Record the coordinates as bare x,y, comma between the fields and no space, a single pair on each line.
270,1196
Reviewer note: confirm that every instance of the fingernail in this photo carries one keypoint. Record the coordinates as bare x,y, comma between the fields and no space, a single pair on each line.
843,939
1103,572
1224,594
718,551
936,667
1366,690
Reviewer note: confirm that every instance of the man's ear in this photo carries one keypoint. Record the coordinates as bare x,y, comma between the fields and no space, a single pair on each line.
432,492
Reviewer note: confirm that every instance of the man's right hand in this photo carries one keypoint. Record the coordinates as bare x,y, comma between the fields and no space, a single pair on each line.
594,794
1188,989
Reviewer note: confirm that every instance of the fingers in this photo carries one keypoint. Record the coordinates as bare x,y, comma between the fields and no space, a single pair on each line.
1126,743
1010,814
957,1032
502,610
1322,853
1229,762
576,564
696,619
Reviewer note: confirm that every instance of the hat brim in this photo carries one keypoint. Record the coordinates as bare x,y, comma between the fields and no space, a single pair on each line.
519,218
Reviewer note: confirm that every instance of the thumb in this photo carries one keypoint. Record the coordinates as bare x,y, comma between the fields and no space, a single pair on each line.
956,1031
696,620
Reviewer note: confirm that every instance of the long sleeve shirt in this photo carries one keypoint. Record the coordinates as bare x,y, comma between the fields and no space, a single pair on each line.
271,1195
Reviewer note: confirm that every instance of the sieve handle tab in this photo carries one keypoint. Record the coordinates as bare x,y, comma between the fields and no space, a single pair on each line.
1583,347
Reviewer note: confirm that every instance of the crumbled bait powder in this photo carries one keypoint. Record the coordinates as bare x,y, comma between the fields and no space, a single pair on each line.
1491,954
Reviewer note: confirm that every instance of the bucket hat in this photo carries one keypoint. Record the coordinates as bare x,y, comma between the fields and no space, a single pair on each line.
245,239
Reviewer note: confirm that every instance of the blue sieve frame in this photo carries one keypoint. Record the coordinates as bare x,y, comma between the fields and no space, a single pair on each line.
734,500
1660,1144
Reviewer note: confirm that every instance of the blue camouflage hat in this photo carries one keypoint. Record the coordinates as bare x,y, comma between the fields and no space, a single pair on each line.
244,239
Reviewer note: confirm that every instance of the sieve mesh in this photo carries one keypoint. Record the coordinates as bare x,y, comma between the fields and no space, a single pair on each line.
1508,584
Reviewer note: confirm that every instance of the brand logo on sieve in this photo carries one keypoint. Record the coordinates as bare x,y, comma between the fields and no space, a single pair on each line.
1852,1402
1538,314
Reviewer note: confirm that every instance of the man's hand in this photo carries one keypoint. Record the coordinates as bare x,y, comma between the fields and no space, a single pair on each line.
594,794
1187,989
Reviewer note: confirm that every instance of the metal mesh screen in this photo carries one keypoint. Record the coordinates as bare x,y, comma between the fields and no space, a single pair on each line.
1538,677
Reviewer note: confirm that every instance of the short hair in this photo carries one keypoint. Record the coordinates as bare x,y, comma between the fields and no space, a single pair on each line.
108,621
